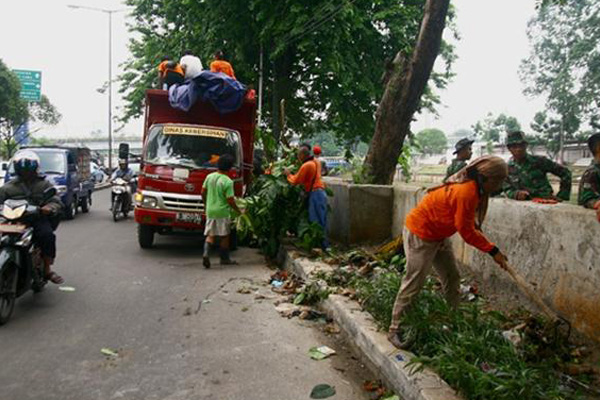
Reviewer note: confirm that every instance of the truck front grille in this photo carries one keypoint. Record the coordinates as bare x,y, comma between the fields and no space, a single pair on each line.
181,204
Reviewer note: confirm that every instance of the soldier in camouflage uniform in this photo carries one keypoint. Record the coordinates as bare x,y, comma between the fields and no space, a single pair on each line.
589,186
463,155
527,174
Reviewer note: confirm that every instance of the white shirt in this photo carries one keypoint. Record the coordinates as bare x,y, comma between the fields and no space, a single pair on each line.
191,65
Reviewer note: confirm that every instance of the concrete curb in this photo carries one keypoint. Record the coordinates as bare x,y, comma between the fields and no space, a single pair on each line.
391,364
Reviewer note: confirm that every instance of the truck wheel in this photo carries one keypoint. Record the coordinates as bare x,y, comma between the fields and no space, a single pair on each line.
71,209
145,236
86,202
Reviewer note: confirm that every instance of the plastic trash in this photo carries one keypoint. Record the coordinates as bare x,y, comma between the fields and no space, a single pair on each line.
320,353
322,391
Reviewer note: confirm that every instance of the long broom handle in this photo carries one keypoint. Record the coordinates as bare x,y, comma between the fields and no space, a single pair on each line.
530,292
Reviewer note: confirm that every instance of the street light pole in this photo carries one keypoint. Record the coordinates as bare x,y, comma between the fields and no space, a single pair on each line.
110,14
110,91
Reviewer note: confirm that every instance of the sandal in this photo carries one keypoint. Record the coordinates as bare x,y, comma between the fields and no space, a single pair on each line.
55,278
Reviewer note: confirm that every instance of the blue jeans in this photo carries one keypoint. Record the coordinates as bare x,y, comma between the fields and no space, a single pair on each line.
317,211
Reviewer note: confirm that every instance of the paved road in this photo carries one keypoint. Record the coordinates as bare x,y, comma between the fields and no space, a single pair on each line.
148,305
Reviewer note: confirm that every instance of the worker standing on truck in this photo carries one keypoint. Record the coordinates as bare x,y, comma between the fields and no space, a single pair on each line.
169,73
221,65
459,205
309,177
219,200
589,186
191,65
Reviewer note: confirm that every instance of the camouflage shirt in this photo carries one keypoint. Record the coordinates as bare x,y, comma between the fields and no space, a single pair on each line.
454,167
531,176
589,186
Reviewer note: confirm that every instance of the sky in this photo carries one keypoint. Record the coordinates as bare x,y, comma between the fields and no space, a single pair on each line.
493,41
70,47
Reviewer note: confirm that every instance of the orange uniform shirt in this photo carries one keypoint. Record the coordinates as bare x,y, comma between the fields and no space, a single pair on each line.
446,211
308,173
222,66
162,68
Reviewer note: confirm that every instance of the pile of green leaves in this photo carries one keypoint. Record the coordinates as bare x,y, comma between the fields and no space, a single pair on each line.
276,209
464,346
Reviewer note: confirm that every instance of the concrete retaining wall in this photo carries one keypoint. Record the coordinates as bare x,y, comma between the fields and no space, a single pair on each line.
555,247
361,213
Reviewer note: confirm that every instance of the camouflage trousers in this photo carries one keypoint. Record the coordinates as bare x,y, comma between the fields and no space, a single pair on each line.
421,256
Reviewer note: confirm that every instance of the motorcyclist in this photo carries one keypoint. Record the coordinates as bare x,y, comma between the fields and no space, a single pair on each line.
30,185
125,173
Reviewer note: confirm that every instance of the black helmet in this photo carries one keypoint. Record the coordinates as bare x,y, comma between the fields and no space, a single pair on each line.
462,143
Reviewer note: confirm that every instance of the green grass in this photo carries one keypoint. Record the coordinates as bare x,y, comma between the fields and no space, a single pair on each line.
465,346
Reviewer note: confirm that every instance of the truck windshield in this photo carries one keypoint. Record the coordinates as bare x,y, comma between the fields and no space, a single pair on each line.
192,147
51,162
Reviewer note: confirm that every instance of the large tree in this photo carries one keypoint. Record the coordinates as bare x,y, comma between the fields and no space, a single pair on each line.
432,141
405,83
491,127
325,59
564,65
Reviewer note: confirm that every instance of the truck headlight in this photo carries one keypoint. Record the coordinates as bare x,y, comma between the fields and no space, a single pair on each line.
149,202
145,201
61,189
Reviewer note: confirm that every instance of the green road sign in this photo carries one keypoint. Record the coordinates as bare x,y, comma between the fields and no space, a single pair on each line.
31,84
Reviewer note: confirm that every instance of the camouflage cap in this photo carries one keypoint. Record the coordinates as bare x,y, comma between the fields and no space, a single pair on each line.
462,143
593,141
516,137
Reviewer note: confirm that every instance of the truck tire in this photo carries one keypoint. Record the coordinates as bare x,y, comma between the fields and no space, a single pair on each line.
145,236
86,202
71,209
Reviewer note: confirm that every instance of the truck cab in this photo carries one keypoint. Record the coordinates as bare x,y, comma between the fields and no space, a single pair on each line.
180,150
68,168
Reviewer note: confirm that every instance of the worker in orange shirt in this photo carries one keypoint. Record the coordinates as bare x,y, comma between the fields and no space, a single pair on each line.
460,206
309,177
169,73
220,65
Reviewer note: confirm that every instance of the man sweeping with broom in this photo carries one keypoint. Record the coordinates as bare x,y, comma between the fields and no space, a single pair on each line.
459,205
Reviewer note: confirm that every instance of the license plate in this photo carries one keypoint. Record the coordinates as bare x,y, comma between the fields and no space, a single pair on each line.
193,218
11,228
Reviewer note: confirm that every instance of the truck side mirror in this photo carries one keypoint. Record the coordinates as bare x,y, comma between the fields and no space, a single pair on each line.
124,151
4,166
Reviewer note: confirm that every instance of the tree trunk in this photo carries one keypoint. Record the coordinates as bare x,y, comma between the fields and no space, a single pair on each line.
406,82
281,90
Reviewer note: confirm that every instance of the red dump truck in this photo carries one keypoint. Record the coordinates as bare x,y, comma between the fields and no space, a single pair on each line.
180,150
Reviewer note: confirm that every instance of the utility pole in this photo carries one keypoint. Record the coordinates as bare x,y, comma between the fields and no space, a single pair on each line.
260,86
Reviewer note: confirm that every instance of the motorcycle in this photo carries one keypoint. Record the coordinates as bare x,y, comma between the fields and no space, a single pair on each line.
21,263
121,198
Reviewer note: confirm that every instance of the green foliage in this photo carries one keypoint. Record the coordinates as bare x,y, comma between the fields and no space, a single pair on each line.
432,141
311,294
276,209
564,66
464,346
13,110
489,129
324,58
406,157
